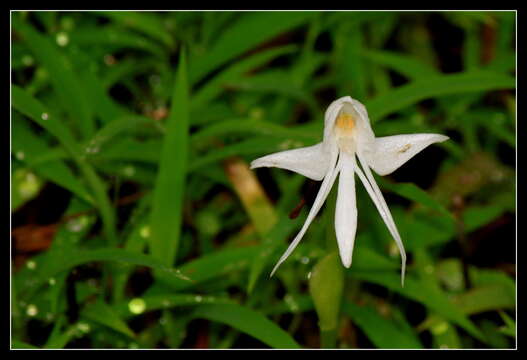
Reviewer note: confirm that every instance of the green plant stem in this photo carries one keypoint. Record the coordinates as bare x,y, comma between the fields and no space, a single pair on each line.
328,339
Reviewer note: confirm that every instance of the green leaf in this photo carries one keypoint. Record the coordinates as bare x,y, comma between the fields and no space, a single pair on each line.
167,301
403,64
384,332
415,290
115,39
61,74
145,22
412,192
216,264
250,30
26,144
63,259
32,108
102,313
325,286
17,344
214,87
410,94
25,185
167,204
247,321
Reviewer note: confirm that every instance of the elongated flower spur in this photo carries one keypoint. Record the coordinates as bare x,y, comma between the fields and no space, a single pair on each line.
348,136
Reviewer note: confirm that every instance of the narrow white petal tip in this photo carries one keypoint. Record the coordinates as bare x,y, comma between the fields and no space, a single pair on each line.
346,262
442,138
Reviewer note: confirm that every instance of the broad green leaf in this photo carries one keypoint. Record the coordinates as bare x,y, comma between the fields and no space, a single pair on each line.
167,205
250,30
406,95
61,74
247,321
384,332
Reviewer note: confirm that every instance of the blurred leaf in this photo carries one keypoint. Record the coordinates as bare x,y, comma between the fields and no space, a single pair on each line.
382,331
32,108
325,286
424,88
17,344
250,30
115,39
167,204
61,74
412,192
145,22
26,144
215,86
247,321
168,301
403,64
413,289
54,262
102,313
24,186
214,265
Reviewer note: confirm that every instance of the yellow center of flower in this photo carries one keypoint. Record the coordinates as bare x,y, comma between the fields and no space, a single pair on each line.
345,123
345,131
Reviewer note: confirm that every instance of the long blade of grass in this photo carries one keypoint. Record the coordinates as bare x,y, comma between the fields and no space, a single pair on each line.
33,109
247,321
61,74
251,30
167,205
406,95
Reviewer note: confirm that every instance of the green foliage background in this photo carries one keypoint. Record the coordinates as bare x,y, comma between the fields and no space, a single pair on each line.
137,223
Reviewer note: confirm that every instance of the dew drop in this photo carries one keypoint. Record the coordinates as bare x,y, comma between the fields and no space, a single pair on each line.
83,327
129,171
27,60
304,260
20,155
31,310
44,116
198,298
291,303
309,275
62,39
137,306
52,281
31,265
145,231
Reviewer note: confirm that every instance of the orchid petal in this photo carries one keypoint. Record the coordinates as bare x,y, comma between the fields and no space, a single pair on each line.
323,192
375,194
311,161
390,152
346,209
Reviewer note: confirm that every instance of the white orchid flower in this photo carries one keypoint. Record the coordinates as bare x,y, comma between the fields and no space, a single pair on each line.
347,136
